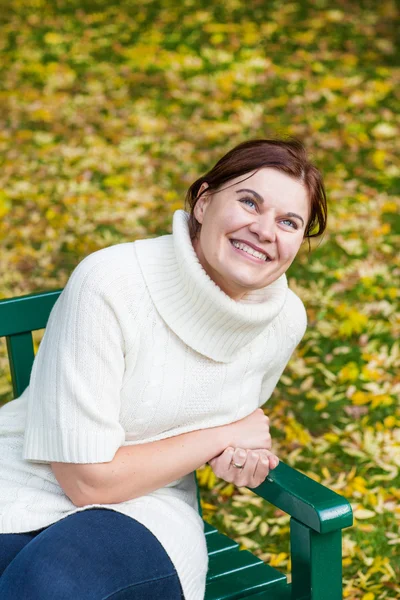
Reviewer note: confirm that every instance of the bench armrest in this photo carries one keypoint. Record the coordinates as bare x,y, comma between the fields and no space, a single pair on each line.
306,500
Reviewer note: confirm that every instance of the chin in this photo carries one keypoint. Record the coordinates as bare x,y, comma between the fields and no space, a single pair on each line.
253,283
248,286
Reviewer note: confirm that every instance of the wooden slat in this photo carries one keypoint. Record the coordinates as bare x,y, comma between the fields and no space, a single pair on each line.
224,563
26,313
209,529
306,500
20,356
283,592
219,543
241,583
18,318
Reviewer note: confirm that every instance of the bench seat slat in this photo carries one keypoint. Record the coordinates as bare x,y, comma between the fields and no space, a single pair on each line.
219,542
209,529
224,563
241,583
276,593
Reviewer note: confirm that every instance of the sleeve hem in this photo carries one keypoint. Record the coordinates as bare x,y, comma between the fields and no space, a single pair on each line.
70,446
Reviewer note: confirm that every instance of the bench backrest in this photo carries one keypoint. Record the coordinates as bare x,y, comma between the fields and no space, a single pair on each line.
18,318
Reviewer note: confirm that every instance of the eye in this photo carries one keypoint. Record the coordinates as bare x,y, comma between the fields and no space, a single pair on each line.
247,199
292,223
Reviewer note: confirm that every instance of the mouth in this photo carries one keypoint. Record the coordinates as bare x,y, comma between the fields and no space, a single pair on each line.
250,252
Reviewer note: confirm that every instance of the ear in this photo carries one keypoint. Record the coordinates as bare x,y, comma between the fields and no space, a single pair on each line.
202,203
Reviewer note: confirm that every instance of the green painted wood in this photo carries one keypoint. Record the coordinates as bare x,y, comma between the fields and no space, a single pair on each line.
220,543
18,318
20,356
198,495
276,593
309,502
241,583
209,529
316,563
224,563
26,313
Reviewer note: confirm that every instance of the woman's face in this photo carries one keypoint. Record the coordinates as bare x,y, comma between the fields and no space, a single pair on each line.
251,230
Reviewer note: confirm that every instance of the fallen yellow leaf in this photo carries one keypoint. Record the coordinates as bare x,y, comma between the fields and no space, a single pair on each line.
363,513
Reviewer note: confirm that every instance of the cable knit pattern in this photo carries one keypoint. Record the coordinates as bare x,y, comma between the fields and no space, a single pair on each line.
140,346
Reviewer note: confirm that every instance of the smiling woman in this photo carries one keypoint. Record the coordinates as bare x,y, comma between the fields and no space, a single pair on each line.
157,358
247,237
287,156
246,242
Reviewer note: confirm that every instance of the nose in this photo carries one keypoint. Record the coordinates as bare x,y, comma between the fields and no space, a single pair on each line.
264,226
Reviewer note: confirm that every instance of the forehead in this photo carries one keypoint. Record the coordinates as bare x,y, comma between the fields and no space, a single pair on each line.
275,187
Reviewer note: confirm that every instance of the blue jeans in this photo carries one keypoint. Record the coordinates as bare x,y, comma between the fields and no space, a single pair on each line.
95,554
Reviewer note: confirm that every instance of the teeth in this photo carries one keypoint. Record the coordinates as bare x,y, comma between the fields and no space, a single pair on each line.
250,250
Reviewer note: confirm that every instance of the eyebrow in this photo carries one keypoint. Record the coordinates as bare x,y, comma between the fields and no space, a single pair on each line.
261,200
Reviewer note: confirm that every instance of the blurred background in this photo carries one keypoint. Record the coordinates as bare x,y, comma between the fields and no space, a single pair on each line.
109,111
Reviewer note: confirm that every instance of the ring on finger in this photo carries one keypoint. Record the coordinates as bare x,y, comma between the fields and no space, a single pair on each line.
236,465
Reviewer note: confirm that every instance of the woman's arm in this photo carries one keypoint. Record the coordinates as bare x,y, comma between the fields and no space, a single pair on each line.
140,469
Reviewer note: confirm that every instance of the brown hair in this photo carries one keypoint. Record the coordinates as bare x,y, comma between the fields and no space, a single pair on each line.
288,156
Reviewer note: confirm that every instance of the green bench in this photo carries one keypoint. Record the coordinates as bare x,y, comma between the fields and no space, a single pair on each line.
317,514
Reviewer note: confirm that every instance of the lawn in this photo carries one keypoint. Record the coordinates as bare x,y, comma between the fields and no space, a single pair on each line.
109,112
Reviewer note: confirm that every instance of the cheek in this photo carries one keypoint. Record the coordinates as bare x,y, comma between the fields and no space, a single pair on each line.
217,229
290,248
209,241
237,223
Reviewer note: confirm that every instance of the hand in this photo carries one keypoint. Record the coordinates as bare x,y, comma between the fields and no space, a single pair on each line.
251,432
257,464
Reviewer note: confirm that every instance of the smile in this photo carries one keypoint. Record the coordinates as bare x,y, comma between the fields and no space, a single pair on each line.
260,256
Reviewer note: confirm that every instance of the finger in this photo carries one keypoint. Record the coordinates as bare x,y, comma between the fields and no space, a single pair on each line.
261,471
252,457
239,458
225,459
273,459
240,476
246,475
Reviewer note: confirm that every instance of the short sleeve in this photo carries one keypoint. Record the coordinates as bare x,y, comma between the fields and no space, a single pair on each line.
292,327
76,379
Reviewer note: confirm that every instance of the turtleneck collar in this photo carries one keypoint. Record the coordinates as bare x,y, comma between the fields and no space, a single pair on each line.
193,306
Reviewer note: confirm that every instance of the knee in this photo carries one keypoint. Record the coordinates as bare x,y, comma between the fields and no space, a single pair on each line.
37,581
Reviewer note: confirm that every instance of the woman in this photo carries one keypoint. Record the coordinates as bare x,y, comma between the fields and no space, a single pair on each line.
156,359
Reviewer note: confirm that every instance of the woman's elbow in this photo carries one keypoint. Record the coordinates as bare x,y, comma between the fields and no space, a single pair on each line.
73,481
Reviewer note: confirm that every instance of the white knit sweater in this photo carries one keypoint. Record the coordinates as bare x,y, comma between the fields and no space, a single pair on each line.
140,346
